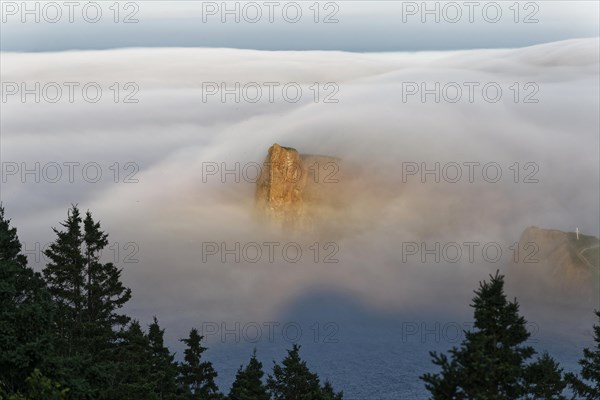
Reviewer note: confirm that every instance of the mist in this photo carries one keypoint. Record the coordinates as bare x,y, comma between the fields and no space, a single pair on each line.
376,128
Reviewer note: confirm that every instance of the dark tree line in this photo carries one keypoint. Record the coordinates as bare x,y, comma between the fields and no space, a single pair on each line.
62,335
493,363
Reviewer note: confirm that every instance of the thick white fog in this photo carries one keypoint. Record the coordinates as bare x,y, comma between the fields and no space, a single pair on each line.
376,126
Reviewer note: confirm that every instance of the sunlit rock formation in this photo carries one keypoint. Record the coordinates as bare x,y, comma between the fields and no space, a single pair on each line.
295,191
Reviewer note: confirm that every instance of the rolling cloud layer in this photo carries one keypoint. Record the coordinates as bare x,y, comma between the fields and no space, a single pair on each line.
545,119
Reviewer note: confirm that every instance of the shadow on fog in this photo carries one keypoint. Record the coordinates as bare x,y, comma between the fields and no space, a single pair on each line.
373,354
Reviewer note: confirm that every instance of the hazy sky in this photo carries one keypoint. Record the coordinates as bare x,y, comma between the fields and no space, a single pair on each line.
341,25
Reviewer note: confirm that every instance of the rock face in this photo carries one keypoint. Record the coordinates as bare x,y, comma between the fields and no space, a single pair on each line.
559,264
293,190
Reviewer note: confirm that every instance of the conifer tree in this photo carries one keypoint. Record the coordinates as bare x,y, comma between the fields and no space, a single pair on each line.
587,385
104,291
544,380
86,291
86,294
197,377
26,310
163,368
490,364
65,278
329,394
248,384
133,361
294,381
